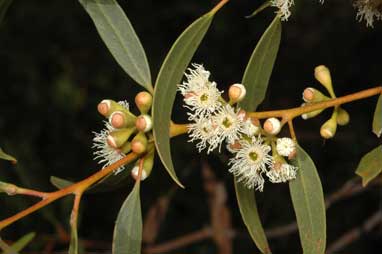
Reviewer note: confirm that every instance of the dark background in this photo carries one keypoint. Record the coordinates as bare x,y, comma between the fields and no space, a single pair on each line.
54,69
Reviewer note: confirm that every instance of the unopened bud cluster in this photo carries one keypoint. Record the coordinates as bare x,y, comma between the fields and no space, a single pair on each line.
125,132
311,95
216,121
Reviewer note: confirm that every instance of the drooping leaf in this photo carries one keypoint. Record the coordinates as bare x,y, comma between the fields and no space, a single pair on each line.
262,7
260,66
4,5
309,205
20,244
377,120
119,36
248,210
170,74
370,165
128,227
7,157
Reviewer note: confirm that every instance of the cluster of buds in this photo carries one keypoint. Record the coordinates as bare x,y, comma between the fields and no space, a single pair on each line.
214,121
125,132
311,95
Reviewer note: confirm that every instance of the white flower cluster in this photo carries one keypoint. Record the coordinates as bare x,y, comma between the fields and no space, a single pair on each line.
215,121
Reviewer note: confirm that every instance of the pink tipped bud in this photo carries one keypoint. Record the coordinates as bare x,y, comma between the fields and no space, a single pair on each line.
117,119
313,95
144,123
135,173
308,94
236,93
272,126
104,107
139,143
143,100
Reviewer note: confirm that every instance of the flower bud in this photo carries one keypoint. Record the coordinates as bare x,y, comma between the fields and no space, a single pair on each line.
343,117
144,123
148,163
328,129
107,107
118,137
272,126
236,93
121,119
322,74
8,188
143,100
139,143
313,95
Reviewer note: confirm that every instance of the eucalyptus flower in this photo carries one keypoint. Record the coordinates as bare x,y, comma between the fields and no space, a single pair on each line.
200,95
229,124
281,172
203,131
105,154
250,163
285,146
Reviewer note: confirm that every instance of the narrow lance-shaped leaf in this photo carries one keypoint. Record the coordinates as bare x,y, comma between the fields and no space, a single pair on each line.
309,205
377,120
4,5
5,156
170,74
370,165
255,79
260,66
262,7
248,210
128,227
119,36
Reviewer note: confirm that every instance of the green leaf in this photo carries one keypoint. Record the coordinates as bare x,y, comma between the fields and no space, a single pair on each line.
128,227
260,65
262,7
7,157
21,243
248,209
170,74
119,36
4,5
60,183
309,205
370,165
377,121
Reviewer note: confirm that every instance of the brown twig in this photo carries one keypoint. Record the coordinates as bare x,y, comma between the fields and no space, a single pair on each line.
355,233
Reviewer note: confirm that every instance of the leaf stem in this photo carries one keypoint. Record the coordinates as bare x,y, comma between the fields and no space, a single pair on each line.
218,6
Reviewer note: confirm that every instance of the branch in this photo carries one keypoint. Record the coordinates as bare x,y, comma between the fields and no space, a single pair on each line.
355,233
76,188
